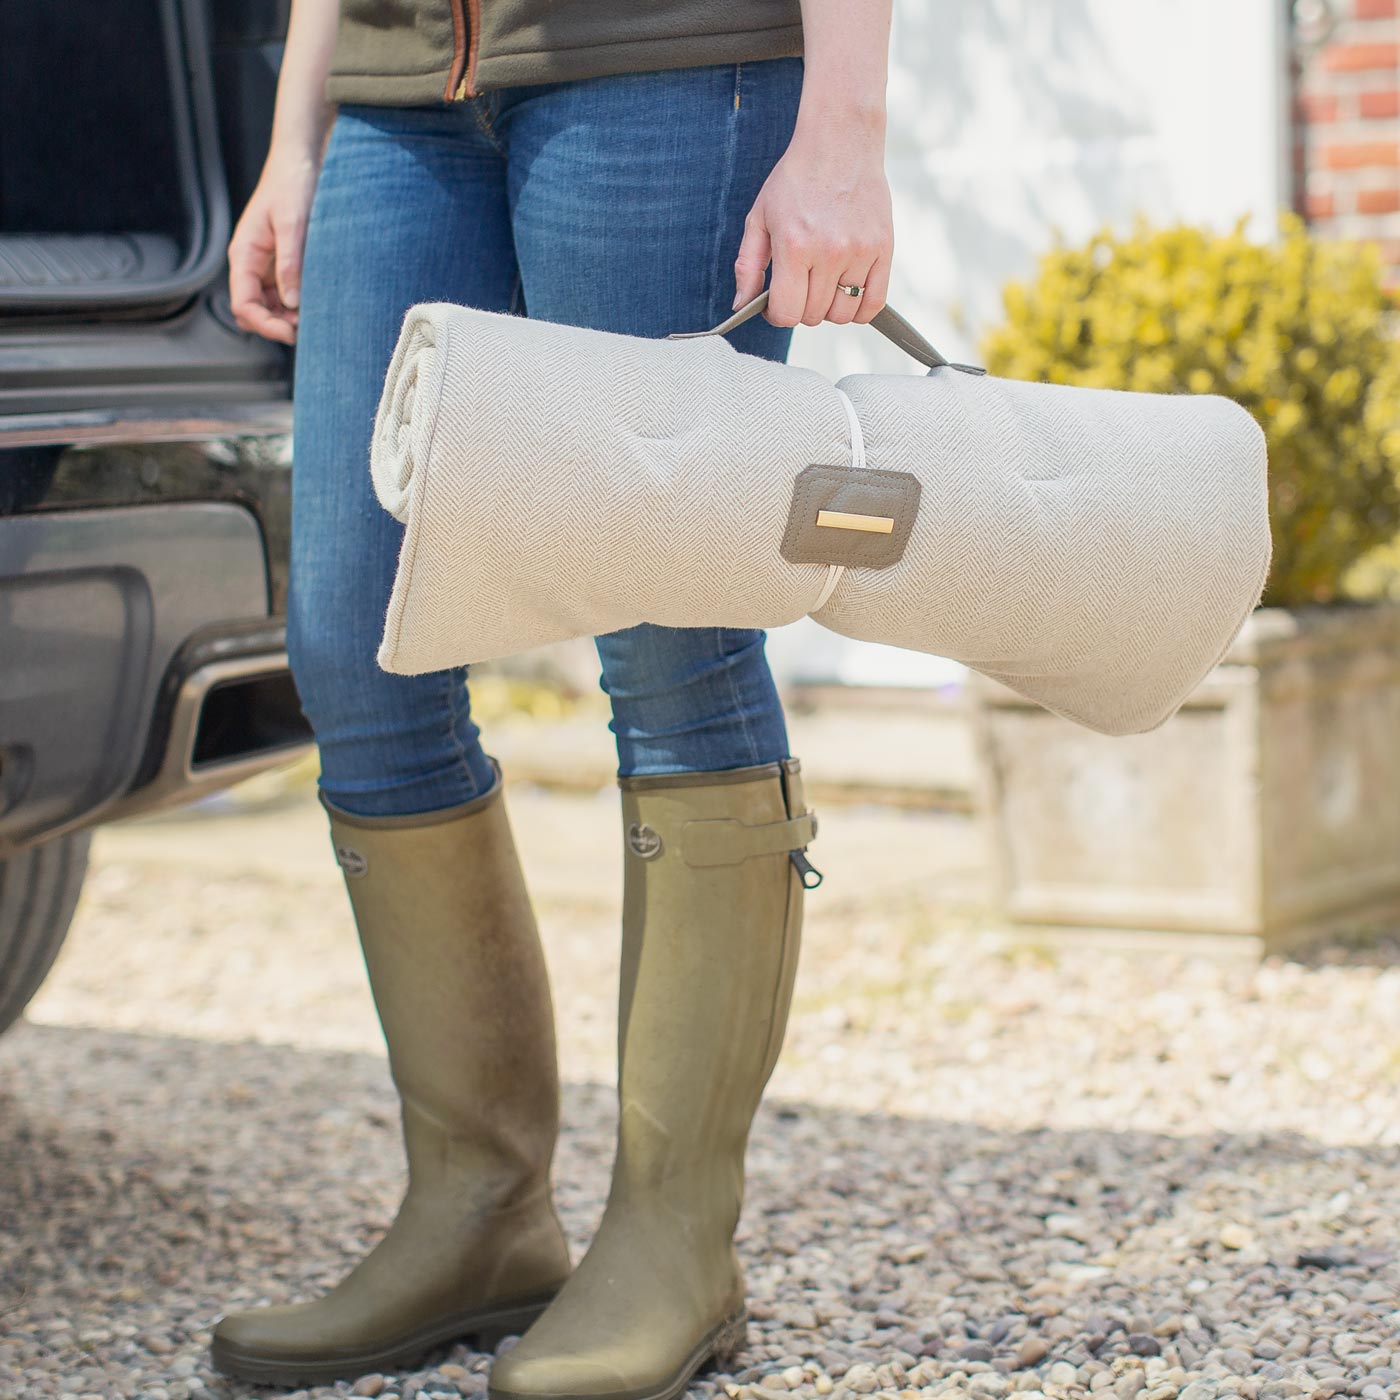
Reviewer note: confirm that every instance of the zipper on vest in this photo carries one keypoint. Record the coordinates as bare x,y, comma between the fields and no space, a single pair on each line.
466,26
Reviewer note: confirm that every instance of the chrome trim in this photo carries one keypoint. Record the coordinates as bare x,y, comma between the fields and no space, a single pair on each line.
178,780
95,426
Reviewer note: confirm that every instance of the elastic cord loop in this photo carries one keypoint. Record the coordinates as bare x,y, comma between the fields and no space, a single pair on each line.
835,571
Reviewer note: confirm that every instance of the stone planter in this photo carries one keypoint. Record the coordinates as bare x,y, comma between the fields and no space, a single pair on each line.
1269,806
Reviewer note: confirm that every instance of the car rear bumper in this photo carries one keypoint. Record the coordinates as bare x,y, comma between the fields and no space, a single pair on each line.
142,579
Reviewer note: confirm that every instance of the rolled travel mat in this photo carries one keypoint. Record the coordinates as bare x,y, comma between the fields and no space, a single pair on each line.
1096,551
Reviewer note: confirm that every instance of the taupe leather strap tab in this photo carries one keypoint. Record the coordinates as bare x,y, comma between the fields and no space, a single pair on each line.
899,332
726,841
854,516
887,321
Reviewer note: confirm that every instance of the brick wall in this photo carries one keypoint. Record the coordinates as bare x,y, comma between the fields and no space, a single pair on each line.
1347,110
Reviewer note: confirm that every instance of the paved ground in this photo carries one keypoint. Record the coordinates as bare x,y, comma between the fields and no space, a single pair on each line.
981,1168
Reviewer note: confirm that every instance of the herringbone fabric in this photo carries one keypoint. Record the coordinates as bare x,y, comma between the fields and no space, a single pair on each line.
1096,551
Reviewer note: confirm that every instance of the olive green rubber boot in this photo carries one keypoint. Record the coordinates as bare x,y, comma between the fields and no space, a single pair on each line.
712,915
460,984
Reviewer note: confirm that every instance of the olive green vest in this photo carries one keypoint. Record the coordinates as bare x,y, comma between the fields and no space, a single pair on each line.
409,52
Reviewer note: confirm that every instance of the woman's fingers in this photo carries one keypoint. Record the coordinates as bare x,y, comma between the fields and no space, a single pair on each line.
265,252
290,234
821,286
278,321
842,307
877,288
257,307
253,296
245,291
754,253
788,289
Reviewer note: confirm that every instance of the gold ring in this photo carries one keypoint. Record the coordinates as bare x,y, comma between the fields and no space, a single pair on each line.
851,289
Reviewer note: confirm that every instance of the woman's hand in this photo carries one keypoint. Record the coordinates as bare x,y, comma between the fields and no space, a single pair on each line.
823,215
264,255
823,218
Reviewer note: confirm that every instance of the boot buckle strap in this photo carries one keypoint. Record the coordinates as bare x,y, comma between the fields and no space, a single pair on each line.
728,841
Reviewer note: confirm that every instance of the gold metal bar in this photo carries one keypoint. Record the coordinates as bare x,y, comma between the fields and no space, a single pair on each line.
844,520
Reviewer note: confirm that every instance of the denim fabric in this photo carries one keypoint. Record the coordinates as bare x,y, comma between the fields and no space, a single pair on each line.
614,202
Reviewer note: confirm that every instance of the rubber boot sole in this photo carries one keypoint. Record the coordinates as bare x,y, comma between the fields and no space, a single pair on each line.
483,1326
720,1345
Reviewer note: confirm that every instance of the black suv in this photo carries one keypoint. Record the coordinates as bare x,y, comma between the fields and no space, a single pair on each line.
144,439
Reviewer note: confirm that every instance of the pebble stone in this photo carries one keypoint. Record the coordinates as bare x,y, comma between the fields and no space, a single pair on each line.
981,1170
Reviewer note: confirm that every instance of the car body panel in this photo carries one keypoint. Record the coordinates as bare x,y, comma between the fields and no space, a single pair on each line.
94,606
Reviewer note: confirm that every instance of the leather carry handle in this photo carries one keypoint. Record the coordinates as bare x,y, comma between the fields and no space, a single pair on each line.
887,321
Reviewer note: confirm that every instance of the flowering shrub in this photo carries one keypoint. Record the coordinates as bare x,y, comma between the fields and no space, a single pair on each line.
1298,331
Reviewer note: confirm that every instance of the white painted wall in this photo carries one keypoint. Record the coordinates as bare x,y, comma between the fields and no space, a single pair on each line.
1012,119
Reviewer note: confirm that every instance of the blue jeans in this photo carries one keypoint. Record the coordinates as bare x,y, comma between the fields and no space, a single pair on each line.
616,203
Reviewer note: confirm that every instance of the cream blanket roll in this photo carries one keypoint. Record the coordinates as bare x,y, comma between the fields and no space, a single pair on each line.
1097,551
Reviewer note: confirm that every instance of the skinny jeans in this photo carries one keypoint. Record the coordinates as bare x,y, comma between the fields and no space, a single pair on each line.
615,203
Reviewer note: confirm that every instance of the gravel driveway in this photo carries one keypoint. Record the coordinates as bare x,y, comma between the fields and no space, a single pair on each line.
981,1168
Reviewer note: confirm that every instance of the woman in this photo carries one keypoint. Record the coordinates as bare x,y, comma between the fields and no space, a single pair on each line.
633,169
